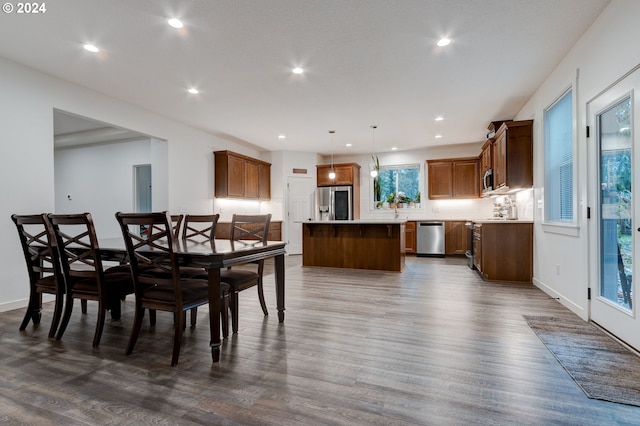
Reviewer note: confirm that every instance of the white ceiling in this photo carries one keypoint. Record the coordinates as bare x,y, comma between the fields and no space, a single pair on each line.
366,61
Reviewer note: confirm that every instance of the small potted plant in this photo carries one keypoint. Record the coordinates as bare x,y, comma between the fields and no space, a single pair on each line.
416,200
402,199
391,199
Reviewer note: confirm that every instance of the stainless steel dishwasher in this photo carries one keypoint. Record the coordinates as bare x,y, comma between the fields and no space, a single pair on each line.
430,238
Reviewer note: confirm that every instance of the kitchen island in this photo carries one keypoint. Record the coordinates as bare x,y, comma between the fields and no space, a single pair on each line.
356,244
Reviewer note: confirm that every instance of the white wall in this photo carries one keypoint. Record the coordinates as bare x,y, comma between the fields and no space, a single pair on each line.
604,54
27,162
99,179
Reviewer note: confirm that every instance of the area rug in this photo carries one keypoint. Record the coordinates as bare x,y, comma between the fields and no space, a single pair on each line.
602,367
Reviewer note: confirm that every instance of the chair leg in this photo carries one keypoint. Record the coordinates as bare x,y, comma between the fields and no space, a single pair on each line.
33,310
224,316
102,312
194,316
135,329
261,297
152,317
177,338
234,311
68,308
83,304
57,313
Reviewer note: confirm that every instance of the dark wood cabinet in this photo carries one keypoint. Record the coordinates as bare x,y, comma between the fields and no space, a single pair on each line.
486,157
504,251
455,238
410,237
453,178
239,176
346,174
264,181
513,155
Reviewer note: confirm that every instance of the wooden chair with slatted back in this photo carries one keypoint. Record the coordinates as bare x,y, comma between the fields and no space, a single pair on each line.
201,228
84,275
176,224
43,267
168,291
246,227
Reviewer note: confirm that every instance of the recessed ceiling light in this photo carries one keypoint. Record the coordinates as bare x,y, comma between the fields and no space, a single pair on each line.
282,137
193,91
175,23
438,136
439,118
297,70
394,148
91,48
443,42
348,145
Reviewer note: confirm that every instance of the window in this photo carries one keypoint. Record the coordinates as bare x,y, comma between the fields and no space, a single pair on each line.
397,184
558,160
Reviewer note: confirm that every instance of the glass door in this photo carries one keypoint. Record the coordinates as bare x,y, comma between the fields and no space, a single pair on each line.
614,239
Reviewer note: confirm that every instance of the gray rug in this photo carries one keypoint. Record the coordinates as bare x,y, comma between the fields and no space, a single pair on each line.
602,367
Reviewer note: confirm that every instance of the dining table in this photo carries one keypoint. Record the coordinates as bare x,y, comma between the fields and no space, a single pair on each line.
214,255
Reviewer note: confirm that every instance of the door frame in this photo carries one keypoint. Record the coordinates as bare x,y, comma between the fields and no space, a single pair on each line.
601,311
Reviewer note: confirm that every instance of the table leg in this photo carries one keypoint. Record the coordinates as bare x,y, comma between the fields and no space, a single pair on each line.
214,312
279,263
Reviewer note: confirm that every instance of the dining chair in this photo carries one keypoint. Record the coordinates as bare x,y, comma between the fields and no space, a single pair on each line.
168,291
176,224
84,274
43,267
201,228
246,227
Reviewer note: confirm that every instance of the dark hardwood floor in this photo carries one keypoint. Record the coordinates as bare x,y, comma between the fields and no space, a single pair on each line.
434,345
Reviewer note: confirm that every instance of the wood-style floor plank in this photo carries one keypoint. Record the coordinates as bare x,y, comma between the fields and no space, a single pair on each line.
433,345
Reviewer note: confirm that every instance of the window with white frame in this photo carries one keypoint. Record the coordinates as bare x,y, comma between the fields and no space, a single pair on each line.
558,160
399,183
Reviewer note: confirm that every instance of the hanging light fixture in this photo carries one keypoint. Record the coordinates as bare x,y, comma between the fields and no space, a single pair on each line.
374,172
332,173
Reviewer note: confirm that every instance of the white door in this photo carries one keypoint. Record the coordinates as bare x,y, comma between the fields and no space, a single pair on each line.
614,233
299,193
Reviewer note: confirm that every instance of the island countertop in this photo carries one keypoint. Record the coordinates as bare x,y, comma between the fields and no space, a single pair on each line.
355,244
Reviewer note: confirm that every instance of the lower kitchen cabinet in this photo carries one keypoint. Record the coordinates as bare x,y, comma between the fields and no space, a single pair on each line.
455,238
504,251
410,237
223,231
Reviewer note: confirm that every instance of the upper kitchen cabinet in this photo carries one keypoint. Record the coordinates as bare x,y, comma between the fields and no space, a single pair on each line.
239,176
346,174
454,178
513,155
486,157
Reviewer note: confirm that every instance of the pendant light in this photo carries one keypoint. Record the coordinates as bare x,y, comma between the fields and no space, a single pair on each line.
374,172
332,173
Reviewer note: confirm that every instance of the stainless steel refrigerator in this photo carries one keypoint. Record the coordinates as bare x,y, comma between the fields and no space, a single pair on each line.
334,203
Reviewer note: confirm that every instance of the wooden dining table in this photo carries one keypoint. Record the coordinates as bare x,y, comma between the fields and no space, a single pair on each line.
213,256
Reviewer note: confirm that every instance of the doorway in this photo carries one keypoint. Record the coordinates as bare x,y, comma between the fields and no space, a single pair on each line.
299,193
614,162
142,188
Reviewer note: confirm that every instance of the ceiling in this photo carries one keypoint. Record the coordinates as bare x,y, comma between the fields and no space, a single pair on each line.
366,62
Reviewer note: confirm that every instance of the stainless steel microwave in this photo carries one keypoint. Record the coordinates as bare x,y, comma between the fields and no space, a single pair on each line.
487,181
